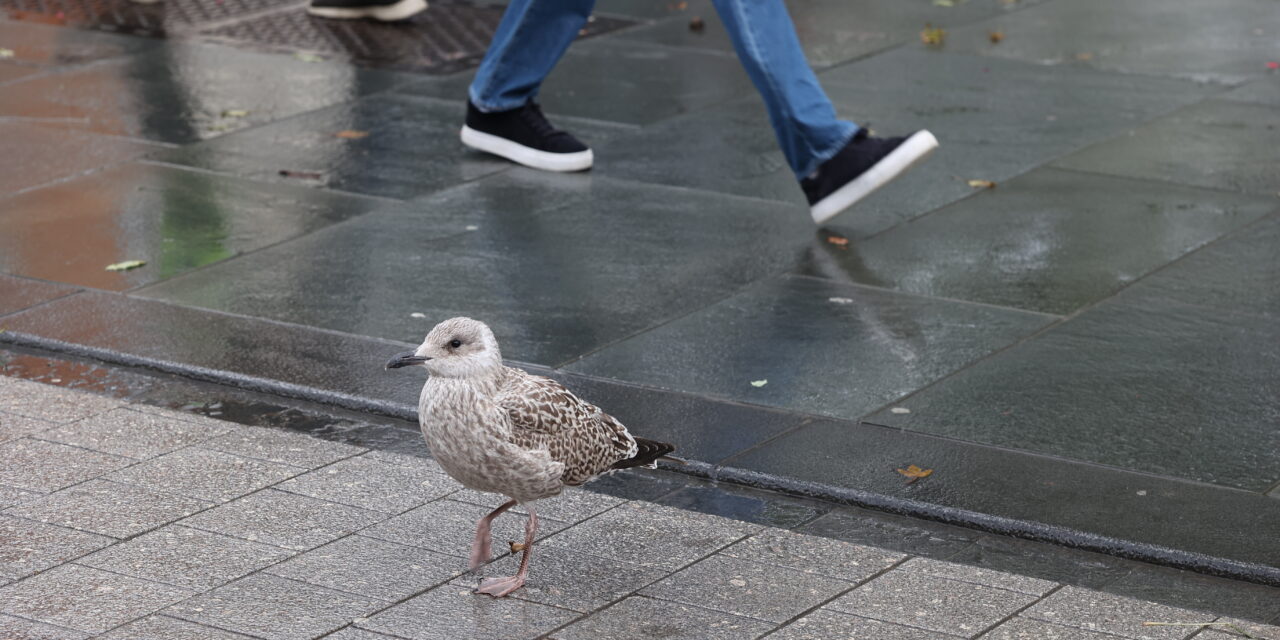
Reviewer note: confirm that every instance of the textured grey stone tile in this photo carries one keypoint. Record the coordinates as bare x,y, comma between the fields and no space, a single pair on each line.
449,527
370,484
1020,628
27,547
824,624
36,465
936,604
574,505
47,402
746,588
166,628
352,633
452,612
814,554
133,434
369,567
1254,629
110,508
1117,615
639,617
286,447
284,519
652,535
206,474
273,608
10,496
568,579
12,628
975,575
86,599
426,464
186,557
14,426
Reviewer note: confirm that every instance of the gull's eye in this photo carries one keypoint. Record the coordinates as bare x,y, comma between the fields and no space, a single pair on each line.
455,343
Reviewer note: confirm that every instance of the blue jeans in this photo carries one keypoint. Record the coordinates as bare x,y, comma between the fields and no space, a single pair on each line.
534,34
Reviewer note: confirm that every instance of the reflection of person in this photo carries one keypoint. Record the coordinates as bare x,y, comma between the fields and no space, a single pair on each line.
836,162
385,10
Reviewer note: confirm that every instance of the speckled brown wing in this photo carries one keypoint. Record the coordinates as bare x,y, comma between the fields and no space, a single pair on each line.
545,415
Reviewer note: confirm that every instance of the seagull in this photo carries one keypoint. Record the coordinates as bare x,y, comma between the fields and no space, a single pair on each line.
502,430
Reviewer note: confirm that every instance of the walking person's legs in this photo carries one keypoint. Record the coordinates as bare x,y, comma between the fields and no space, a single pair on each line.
836,162
502,115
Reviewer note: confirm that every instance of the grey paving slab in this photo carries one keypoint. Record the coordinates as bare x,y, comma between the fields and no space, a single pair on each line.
352,633
10,72
274,608
447,526
20,629
626,82
109,508
372,568
453,612
1146,37
1199,592
10,496
639,617
20,293
411,148
369,484
1263,631
1037,560
36,465
892,532
1116,615
284,520
166,628
283,447
1147,371
934,603
976,575
824,624
30,547
1265,91
206,474
86,599
652,535
554,266
1219,144
746,588
570,580
1020,628
1237,273
13,426
176,220
184,91
745,504
48,402
814,554
843,358
995,119
54,155
571,506
1048,241
185,557
132,434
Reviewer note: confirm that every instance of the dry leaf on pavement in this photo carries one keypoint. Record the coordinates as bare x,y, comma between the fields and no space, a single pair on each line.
982,184
351,134
126,265
839,241
932,35
915,473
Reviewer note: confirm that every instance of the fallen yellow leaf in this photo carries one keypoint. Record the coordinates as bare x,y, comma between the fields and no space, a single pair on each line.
126,265
915,473
351,134
234,113
759,383
995,36
839,241
982,184
932,35
7,53
1082,57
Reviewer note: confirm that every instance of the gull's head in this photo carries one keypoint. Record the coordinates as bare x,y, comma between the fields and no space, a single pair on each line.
455,348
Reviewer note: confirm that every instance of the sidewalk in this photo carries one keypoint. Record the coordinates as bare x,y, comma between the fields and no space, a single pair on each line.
136,522
1085,354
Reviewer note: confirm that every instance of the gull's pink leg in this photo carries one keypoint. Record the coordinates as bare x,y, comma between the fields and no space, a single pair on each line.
480,548
499,587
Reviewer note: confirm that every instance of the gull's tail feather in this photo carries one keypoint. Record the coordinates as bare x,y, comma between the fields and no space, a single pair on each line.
648,454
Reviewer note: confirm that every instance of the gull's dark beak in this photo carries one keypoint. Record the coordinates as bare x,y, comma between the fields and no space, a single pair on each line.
405,359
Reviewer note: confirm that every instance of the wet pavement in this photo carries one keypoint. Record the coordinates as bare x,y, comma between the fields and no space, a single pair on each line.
1084,354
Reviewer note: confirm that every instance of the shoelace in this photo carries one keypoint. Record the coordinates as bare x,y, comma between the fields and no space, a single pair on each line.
532,115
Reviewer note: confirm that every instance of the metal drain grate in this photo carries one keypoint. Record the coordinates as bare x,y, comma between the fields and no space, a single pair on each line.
446,38
166,18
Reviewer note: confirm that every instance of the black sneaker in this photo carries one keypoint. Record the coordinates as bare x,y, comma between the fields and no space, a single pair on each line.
862,166
384,10
524,136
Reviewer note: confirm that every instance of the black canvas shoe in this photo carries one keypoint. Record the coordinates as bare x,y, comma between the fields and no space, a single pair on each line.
524,136
862,166
384,10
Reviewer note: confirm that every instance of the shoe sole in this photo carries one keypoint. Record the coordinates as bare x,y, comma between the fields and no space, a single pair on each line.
911,151
520,154
386,13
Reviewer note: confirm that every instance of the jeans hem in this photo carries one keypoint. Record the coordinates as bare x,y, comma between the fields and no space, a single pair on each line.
818,158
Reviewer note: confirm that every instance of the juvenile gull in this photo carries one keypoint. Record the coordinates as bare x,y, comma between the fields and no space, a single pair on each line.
499,429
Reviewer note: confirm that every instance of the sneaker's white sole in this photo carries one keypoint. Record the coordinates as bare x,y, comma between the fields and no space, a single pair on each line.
386,13
911,151
520,154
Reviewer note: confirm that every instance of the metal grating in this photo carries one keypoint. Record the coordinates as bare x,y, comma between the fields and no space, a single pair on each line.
166,18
